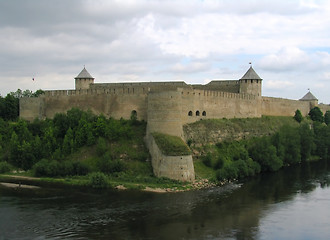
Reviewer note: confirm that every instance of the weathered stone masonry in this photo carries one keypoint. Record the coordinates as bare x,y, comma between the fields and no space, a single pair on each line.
167,106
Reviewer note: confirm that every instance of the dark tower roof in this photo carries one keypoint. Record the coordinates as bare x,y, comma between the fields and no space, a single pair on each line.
308,97
84,74
251,75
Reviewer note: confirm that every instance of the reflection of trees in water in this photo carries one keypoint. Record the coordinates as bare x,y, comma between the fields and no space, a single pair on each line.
234,213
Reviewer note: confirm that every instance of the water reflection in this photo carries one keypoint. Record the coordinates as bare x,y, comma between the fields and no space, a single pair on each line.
239,211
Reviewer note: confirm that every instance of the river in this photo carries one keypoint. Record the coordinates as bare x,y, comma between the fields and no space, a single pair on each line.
290,204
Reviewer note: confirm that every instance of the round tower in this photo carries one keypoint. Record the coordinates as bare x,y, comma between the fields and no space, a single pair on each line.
83,80
250,83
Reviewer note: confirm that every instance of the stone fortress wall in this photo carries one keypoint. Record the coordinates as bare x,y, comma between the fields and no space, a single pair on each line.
167,106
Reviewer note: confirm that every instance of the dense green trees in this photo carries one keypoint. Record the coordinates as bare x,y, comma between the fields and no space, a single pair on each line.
46,144
290,145
316,114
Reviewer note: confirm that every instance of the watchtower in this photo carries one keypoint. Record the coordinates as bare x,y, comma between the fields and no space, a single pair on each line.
83,80
250,83
313,101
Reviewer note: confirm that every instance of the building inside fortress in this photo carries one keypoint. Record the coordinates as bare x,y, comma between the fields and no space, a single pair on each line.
166,107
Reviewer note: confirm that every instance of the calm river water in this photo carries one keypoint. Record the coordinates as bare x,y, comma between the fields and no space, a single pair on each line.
291,204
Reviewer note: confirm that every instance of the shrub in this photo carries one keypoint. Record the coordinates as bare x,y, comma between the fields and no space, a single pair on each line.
327,117
298,116
108,165
316,114
241,168
102,146
5,167
98,180
41,168
262,151
229,171
54,168
79,168
220,162
207,160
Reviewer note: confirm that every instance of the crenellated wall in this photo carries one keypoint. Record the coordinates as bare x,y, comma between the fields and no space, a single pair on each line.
284,107
111,104
161,103
203,104
220,85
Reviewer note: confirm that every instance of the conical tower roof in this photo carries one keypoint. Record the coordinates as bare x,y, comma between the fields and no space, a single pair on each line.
308,97
251,75
84,74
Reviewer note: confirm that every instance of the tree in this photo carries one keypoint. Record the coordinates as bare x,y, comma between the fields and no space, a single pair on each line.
68,142
38,93
263,152
49,142
306,141
316,114
321,138
298,116
11,108
290,140
327,117
61,124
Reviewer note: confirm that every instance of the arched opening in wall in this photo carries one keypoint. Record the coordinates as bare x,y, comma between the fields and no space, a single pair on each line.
197,113
190,113
204,113
133,115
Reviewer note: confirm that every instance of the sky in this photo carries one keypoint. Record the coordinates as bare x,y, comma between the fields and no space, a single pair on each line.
287,42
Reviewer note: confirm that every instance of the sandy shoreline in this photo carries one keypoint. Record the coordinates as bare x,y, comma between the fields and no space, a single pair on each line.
15,185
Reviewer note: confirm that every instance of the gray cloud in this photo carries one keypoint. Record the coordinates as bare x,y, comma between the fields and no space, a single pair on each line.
151,41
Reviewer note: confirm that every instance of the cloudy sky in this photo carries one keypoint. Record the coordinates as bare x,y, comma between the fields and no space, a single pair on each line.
287,41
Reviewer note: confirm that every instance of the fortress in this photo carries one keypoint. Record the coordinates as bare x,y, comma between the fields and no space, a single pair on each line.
166,107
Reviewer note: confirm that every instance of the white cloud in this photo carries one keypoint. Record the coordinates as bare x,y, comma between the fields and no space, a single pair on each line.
277,84
143,40
287,59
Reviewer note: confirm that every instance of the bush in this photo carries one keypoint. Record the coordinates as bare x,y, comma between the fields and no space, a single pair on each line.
5,167
263,152
298,116
41,168
54,168
108,165
316,114
98,180
220,162
229,171
207,160
102,146
79,168
327,117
